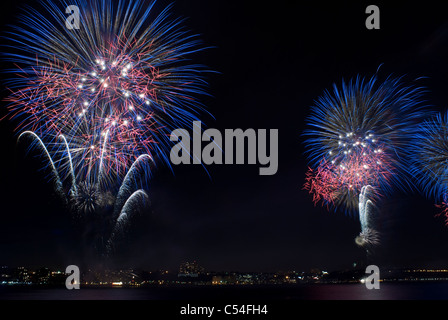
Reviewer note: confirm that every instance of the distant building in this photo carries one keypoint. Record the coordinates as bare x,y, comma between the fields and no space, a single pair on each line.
190,269
22,275
42,276
224,279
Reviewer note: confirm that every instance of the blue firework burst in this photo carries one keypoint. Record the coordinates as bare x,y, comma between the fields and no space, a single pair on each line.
114,89
361,131
430,156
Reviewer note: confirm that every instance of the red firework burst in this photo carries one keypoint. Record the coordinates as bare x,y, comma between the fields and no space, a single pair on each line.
331,182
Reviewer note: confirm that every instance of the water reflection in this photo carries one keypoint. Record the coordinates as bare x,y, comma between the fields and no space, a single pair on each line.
387,291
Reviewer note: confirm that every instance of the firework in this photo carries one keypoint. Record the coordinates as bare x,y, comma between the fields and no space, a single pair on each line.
368,236
100,102
335,184
358,135
429,160
114,89
134,203
101,214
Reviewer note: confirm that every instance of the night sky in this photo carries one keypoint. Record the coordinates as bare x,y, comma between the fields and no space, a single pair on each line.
273,60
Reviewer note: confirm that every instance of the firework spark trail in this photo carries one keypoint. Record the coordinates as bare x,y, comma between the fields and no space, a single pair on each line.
364,203
368,236
136,201
130,181
37,142
429,160
443,207
321,184
73,186
132,203
87,200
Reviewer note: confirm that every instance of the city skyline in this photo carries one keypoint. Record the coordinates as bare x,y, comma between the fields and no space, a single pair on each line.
45,276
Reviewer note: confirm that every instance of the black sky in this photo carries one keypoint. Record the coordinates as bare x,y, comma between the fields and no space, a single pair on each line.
274,59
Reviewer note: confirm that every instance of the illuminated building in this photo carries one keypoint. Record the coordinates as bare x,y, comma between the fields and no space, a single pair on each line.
190,269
